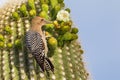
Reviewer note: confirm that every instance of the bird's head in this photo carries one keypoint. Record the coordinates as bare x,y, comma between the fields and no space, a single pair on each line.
39,21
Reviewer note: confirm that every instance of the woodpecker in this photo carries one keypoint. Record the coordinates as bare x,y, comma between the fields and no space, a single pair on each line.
35,41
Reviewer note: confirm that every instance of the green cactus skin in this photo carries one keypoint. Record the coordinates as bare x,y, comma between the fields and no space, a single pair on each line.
16,63
21,52
65,29
23,10
31,4
15,15
74,30
68,9
1,63
53,3
55,11
1,37
32,12
8,29
44,1
14,54
6,65
60,1
45,7
74,36
67,36
44,15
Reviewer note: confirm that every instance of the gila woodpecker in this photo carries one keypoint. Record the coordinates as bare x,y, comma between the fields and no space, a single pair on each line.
36,43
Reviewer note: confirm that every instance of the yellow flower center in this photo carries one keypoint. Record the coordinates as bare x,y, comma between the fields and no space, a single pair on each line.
65,15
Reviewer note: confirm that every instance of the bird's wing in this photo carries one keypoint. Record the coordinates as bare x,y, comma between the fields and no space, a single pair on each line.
34,41
49,65
35,45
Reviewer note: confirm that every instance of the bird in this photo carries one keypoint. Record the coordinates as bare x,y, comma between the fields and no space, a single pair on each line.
35,42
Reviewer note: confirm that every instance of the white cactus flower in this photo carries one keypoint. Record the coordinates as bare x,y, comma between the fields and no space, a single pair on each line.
63,16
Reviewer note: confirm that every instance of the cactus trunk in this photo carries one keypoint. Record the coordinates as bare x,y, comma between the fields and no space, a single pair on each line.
65,52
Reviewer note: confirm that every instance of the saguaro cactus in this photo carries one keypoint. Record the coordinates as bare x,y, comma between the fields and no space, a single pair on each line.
16,63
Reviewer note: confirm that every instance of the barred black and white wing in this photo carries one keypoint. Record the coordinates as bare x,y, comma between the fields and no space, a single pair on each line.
36,46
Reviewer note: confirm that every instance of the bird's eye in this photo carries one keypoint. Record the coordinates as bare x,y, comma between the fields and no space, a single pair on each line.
42,19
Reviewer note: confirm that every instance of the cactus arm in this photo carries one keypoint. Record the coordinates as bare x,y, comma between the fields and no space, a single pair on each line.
13,57
6,65
21,51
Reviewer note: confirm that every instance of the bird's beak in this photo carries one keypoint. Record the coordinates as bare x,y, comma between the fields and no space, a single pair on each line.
47,22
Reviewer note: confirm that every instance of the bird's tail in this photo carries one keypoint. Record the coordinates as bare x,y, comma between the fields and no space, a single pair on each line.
44,63
48,65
